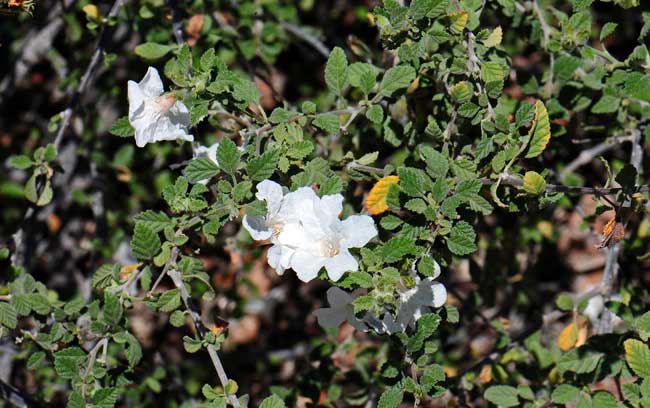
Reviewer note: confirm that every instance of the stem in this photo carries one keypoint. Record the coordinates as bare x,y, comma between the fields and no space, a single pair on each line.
92,358
201,330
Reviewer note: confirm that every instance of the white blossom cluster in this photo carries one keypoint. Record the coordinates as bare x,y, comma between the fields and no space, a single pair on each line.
306,232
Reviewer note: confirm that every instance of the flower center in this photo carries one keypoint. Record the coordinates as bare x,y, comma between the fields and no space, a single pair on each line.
164,103
329,248
277,229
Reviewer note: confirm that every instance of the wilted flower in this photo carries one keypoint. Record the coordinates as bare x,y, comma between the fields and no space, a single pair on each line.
155,116
414,302
340,310
307,233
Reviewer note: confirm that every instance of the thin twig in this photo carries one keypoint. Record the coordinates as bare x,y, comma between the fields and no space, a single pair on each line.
610,273
87,76
16,398
543,25
201,330
308,38
92,358
176,22
171,261
586,156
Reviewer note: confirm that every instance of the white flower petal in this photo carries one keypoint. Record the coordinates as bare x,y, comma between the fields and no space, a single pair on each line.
358,230
306,265
296,236
439,294
256,226
151,84
436,269
136,100
179,114
279,258
332,205
271,192
339,264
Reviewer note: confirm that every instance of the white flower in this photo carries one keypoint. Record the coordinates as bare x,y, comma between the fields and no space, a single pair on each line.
307,233
415,302
321,239
340,310
281,210
155,116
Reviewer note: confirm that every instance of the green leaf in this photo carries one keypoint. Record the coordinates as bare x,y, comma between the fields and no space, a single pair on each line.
414,182
603,399
155,220
105,397
145,243
363,75
35,360
263,167
8,315
375,114
392,397
104,276
396,248
133,352
468,110
336,71
534,183
122,128
540,133
579,361
68,362
363,303
201,168
396,78
607,30
637,355
493,71
606,104
112,309
21,162
246,91
437,163
152,51
76,400
564,393
228,156
564,302
272,402
461,239
502,395
329,123
170,300
641,324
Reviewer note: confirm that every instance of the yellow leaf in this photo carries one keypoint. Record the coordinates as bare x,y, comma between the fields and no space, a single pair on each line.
458,21
494,38
637,355
376,201
126,270
540,132
486,374
568,337
91,11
